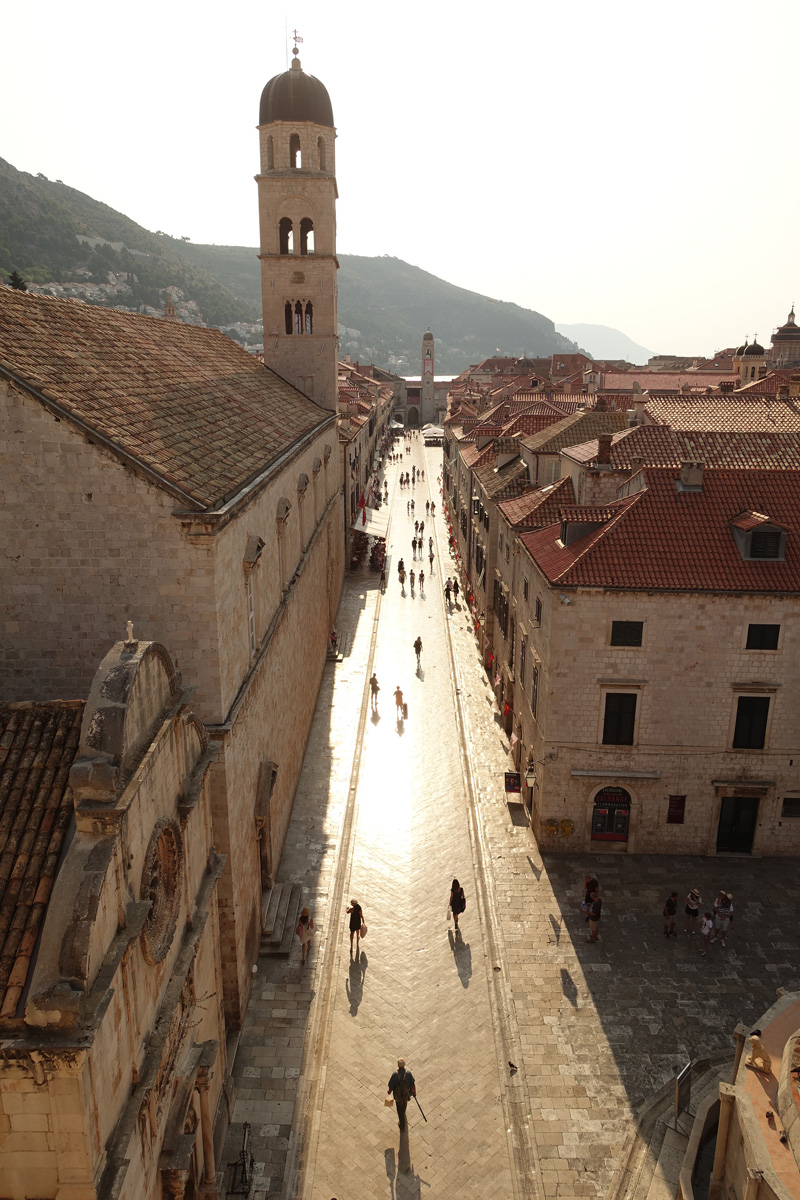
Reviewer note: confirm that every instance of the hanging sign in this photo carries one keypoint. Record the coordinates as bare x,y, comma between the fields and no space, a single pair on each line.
513,781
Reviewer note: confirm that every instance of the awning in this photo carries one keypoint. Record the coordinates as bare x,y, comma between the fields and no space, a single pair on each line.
377,522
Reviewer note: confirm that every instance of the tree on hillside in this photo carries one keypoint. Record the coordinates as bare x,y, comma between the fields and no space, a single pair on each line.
15,280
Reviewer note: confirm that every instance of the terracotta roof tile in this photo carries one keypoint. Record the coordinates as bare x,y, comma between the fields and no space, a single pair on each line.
662,539
572,429
186,402
510,480
38,744
535,509
662,381
659,446
755,414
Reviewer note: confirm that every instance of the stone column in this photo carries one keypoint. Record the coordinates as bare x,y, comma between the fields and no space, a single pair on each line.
752,1185
202,1084
173,1183
727,1095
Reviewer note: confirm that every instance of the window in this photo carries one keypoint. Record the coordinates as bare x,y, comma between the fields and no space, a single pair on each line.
791,806
762,637
270,155
310,318
626,633
298,317
286,236
552,471
534,689
619,719
676,810
751,723
306,236
287,313
538,611
765,545
508,551
525,589
523,651
295,157
321,166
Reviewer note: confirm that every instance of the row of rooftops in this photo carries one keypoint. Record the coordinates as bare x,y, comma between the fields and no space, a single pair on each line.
686,482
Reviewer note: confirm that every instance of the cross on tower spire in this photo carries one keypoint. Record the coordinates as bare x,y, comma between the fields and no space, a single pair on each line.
298,41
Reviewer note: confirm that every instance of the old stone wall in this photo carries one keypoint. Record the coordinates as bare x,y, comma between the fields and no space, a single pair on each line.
688,674
88,545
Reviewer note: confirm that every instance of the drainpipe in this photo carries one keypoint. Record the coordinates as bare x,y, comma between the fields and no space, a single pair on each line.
727,1095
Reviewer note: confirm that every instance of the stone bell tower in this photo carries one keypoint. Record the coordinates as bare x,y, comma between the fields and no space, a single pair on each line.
297,217
427,399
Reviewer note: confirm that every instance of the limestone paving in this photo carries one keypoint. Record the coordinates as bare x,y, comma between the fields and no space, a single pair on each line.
383,815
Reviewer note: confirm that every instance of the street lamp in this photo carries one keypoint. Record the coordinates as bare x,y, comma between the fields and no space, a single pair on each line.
530,775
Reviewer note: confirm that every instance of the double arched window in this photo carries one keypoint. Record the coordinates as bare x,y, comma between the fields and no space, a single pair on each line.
286,242
299,316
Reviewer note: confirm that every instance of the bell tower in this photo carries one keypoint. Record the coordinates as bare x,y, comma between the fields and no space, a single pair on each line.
297,219
427,399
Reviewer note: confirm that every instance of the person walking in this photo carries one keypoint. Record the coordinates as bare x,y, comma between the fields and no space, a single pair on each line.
412,502
356,921
402,1087
447,592
430,558
692,910
427,507
706,929
723,915
418,649
421,531
458,901
402,583
455,591
594,917
416,527
414,547
433,509
305,931
401,566
421,582
374,688
411,580
670,909
590,886
398,699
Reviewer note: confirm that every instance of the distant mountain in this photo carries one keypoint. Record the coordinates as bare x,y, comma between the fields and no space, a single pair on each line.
599,341
51,233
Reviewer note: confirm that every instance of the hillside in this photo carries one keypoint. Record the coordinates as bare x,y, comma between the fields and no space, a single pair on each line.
601,341
52,233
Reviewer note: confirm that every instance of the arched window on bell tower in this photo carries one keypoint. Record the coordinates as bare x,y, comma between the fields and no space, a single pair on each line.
321,163
298,317
286,235
309,318
270,155
287,310
306,236
295,155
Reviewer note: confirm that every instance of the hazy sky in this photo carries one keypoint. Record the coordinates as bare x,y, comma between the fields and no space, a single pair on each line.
621,163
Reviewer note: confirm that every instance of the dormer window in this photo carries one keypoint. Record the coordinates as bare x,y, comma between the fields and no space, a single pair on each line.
758,538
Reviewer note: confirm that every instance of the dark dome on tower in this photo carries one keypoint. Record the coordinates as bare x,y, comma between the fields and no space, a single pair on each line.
295,96
427,337
754,348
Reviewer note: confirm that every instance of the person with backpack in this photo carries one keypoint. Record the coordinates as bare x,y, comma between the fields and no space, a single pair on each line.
402,1086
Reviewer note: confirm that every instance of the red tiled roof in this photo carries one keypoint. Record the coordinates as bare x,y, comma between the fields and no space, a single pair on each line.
587,512
188,403
661,381
662,539
573,428
756,414
504,482
529,423
538,508
38,745
659,446
750,520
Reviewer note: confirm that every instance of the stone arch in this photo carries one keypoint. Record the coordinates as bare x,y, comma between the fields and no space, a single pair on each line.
286,235
309,321
192,721
306,236
412,418
302,484
295,152
282,511
322,159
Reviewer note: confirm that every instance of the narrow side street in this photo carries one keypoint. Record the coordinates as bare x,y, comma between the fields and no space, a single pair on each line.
387,813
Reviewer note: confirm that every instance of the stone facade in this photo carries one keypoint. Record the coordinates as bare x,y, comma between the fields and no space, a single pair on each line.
113,1067
687,677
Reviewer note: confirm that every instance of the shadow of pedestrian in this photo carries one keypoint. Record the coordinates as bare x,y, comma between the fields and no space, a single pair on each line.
401,726
391,1170
354,986
420,673
536,870
376,716
462,956
556,930
568,986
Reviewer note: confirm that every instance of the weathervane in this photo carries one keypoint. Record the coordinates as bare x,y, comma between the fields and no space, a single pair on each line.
298,41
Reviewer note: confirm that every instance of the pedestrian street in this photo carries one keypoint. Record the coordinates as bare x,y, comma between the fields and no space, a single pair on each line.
387,813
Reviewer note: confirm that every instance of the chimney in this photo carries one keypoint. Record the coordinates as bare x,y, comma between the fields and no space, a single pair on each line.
691,477
794,386
726,386
604,449
639,404
600,404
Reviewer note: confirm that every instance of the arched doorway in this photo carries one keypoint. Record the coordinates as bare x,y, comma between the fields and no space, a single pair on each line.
611,815
412,417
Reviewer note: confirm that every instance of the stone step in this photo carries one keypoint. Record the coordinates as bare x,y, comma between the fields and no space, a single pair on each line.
270,909
279,940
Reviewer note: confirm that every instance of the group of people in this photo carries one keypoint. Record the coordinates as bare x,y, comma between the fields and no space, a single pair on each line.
451,590
716,920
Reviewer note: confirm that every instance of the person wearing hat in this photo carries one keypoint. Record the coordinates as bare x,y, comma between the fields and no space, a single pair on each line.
402,1087
692,910
723,915
305,930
